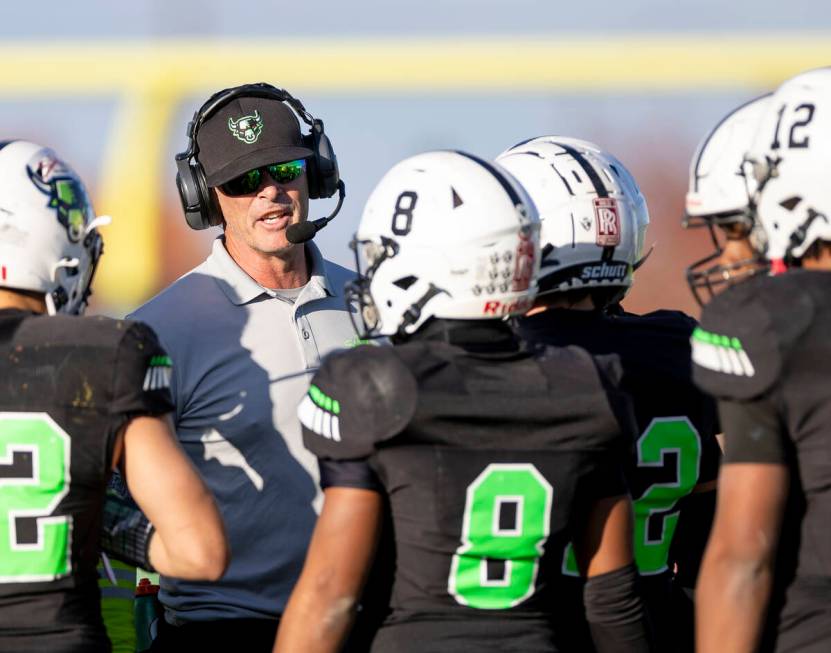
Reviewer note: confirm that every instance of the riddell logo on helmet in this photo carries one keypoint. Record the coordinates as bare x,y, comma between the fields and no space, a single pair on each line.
494,307
607,218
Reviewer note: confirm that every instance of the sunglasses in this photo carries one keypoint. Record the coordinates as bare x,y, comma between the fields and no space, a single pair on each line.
249,182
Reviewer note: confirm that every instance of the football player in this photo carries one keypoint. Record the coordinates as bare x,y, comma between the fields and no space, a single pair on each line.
717,200
493,454
763,351
594,220
81,396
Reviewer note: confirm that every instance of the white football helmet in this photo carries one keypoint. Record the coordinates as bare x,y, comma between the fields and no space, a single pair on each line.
48,238
448,235
718,197
593,214
789,161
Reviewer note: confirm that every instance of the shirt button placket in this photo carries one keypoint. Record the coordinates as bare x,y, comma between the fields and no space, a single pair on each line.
310,352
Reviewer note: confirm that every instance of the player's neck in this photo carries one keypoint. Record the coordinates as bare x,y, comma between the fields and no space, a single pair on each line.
23,300
821,260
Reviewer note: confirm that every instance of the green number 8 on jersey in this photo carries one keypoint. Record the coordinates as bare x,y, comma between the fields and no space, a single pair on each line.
506,524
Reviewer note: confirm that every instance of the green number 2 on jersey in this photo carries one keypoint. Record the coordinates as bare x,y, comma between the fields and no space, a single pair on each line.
505,527
34,478
663,436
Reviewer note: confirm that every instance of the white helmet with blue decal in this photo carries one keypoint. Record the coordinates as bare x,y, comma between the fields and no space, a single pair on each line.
48,238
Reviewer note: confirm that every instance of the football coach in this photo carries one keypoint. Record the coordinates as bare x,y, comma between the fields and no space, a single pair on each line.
246,330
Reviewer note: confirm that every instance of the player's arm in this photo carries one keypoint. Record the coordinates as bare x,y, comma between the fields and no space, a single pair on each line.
737,572
695,519
603,542
614,608
322,606
187,539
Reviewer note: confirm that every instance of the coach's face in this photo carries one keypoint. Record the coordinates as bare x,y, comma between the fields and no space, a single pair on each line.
257,222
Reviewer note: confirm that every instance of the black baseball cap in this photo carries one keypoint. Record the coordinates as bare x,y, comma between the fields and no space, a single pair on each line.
247,133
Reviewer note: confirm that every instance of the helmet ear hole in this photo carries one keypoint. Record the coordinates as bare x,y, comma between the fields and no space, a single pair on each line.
405,282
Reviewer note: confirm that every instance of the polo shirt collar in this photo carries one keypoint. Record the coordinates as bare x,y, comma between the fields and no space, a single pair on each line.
241,289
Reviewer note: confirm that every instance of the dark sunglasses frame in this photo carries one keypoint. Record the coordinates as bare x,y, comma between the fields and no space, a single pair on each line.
250,181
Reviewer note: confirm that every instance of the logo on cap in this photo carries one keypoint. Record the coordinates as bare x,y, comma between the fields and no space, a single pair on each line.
247,128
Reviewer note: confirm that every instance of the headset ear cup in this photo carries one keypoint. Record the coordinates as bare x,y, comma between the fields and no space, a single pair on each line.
325,162
312,171
211,213
198,203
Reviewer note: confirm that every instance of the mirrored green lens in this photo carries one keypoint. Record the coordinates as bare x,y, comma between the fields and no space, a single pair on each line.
247,182
283,173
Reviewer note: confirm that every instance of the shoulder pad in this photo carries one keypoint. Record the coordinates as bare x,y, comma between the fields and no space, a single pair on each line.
357,398
670,320
746,333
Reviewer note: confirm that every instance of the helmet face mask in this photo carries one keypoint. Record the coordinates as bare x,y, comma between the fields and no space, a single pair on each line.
443,235
736,241
49,243
369,255
719,199
594,217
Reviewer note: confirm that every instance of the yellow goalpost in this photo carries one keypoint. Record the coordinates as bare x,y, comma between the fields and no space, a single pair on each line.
150,80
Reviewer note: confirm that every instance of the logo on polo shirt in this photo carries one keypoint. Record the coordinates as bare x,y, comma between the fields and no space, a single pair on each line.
247,128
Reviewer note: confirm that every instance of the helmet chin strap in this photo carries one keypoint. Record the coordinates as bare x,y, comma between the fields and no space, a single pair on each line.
52,306
413,313
801,232
56,299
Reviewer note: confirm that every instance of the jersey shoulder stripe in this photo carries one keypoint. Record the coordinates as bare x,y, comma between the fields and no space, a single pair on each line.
358,398
746,336
720,353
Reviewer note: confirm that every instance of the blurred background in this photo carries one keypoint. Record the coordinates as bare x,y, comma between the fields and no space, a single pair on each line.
111,86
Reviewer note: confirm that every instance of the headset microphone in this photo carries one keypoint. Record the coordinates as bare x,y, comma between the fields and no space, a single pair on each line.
303,231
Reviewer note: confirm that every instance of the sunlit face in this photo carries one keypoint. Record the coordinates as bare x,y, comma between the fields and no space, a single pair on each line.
257,221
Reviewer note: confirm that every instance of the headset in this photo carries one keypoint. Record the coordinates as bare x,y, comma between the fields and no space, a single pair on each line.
200,205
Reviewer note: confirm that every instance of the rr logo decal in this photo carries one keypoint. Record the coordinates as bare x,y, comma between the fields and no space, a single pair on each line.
607,218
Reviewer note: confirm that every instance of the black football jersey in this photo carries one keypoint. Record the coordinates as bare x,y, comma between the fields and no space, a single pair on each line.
676,448
490,455
67,385
763,349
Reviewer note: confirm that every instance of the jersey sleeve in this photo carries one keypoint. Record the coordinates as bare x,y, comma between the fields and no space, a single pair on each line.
356,399
142,374
357,474
746,333
754,432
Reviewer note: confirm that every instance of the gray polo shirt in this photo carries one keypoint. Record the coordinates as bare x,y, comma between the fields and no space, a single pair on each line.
242,360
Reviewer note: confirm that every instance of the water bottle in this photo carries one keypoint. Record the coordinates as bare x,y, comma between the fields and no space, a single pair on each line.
148,611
